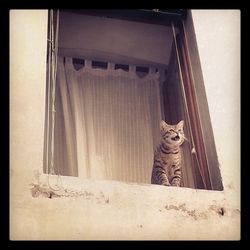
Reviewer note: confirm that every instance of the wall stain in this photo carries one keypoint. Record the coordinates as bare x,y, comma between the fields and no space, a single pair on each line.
196,214
47,192
38,190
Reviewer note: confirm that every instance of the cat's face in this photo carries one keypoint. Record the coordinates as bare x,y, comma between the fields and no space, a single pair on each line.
172,135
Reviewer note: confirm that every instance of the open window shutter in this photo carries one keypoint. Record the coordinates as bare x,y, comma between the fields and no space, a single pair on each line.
200,157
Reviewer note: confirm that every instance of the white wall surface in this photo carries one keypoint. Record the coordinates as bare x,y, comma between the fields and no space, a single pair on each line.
218,38
28,31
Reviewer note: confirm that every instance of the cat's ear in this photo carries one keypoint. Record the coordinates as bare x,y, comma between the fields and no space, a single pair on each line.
163,126
180,125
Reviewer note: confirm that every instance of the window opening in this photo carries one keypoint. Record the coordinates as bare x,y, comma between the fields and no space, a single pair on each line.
174,99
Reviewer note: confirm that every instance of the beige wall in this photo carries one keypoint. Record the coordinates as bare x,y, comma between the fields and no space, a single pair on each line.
28,31
113,210
218,39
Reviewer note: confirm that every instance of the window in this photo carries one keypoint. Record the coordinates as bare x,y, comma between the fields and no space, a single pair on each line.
116,75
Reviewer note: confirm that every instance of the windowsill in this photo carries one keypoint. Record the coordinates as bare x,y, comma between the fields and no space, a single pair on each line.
121,207
78,185
121,194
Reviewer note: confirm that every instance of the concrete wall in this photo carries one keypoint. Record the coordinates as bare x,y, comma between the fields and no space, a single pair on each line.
218,39
28,31
113,210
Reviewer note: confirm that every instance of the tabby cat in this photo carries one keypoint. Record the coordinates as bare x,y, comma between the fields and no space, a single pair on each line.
167,158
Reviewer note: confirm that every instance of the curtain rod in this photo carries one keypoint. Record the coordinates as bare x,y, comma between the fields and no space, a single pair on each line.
95,55
104,64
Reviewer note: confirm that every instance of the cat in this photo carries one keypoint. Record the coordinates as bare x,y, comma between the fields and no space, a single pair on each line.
167,157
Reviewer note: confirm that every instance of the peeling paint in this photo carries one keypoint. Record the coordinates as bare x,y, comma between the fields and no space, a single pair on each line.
45,191
221,211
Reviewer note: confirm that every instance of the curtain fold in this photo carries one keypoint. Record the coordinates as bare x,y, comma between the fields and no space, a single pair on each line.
107,122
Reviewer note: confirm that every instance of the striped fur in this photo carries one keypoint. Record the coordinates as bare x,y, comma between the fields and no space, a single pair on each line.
167,158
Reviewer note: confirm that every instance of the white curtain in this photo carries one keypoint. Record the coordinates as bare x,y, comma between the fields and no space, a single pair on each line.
106,123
